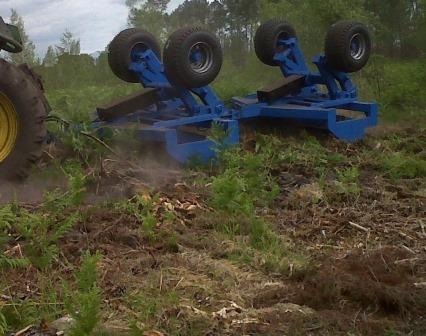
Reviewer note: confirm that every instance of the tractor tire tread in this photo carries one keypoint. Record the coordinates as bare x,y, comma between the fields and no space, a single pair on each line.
28,99
175,59
265,39
119,54
336,46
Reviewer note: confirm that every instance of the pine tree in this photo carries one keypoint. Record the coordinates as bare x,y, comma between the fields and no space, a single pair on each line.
150,15
69,44
50,58
28,55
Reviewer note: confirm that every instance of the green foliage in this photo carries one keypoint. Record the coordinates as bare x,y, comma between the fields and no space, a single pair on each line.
229,193
28,55
50,58
8,263
304,152
84,302
7,219
41,234
400,165
3,324
172,243
313,18
7,216
147,304
42,230
69,45
150,13
56,201
244,181
276,254
348,182
76,185
401,88
23,311
142,207
74,106
241,78
390,21
391,332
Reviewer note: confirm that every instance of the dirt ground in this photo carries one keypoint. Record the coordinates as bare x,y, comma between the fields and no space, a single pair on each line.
363,262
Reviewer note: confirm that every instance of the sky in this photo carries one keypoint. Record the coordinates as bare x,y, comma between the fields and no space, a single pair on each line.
95,22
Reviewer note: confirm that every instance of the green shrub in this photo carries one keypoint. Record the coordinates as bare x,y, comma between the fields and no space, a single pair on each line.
150,302
229,193
41,234
245,180
348,182
8,218
244,183
142,207
400,165
41,230
84,302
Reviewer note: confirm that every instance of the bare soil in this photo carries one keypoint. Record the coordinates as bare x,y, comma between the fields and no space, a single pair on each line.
365,271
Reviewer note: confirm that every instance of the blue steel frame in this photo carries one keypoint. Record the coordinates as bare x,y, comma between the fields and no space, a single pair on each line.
167,122
179,107
311,106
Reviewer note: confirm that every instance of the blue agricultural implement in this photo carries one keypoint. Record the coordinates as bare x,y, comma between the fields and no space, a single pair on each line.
178,107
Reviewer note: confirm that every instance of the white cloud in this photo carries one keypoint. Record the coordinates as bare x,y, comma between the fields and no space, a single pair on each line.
95,22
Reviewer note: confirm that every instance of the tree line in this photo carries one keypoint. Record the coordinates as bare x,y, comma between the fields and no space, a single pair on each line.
68,45
398,28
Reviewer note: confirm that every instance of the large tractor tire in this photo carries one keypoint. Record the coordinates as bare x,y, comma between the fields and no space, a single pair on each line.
267,37
23,110
123,45
193,57
348,46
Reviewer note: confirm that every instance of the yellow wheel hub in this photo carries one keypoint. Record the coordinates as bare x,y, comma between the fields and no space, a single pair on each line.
9,125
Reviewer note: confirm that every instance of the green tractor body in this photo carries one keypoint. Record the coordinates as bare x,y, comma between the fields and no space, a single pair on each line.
10,38
23,110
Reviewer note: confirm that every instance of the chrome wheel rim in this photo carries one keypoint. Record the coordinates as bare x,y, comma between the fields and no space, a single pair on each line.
201,57
358,46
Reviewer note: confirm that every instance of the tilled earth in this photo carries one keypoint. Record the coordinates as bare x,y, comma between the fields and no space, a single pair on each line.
363,272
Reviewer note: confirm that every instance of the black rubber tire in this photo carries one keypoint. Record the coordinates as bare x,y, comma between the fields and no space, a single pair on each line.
38,82
338,46
120,50
177,63
27,99
266,39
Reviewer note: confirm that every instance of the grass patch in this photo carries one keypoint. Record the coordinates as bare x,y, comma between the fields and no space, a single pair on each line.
347,183
401,165
147,305
244,184
41,230
76,104
21,312
142,207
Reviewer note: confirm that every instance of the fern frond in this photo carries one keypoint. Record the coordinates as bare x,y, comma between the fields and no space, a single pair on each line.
11,263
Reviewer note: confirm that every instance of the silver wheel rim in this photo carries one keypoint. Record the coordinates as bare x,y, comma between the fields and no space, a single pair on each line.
200,57
358,46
